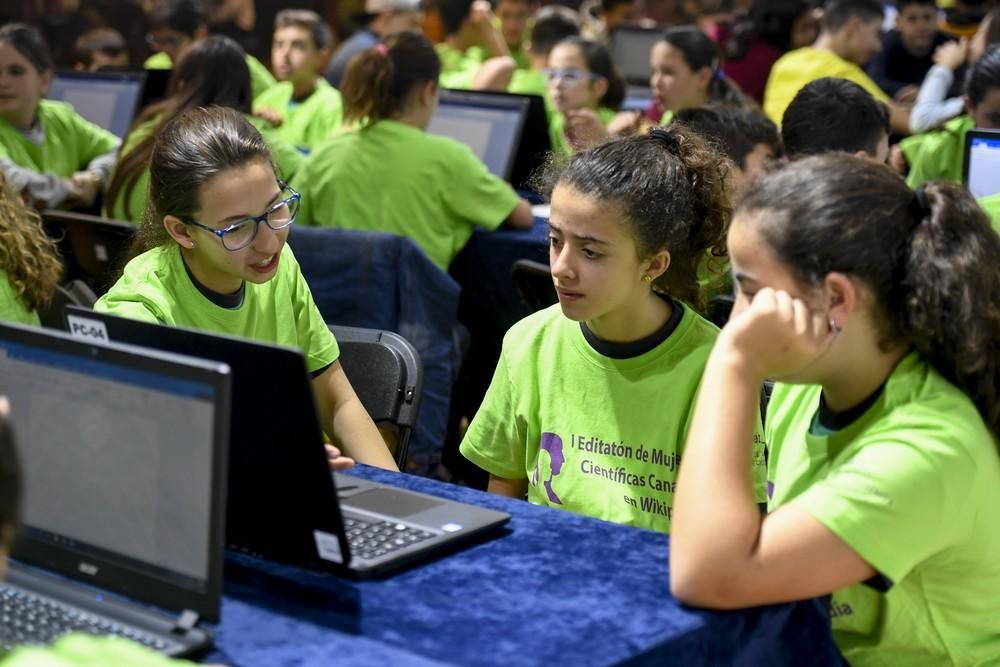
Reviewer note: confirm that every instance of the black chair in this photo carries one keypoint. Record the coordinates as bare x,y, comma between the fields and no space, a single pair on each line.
92,248
72,293
533,282
388,377
719,308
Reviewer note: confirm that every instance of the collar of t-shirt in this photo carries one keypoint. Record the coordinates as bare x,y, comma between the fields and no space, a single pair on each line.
827,420
639,347
228,301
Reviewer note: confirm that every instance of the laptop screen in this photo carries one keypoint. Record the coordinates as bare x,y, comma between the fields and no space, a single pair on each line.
117,456
107,99
983,172
490,126
630,49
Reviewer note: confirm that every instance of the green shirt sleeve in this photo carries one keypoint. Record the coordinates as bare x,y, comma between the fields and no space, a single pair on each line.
315,339
478,196
260,77
289,160
85,651
12,308
495,438
94,141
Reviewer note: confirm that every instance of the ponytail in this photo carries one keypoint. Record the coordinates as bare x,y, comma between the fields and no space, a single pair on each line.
929,259
379,80
671,186
948,295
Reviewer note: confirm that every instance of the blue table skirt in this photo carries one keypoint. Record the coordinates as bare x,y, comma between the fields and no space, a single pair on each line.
556,588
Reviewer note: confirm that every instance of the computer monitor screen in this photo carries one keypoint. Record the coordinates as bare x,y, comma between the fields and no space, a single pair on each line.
630,49
117,455
983,163
490,126
107,99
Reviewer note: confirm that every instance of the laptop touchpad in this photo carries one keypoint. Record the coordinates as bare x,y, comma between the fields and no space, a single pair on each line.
392,503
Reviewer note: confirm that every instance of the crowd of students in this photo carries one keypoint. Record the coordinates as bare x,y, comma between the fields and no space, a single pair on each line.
770,166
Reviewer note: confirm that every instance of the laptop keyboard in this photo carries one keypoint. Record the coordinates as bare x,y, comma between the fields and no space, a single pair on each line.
26,618
371,539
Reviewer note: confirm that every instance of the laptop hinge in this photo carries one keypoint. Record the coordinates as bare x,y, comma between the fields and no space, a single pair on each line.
185,622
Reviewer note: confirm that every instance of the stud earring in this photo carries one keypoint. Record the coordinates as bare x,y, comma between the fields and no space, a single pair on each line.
833,326
647,278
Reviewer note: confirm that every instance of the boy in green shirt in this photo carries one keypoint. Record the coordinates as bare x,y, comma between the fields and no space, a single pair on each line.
553,24
473,53
305,108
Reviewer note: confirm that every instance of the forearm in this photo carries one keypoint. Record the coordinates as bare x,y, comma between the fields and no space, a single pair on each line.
103,165
511,488
932,108
41,187
716,521
355,433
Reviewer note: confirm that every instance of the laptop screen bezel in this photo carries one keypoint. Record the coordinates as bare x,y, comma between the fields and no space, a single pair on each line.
136,76
473,99
311,504
970,137
32,547
623,35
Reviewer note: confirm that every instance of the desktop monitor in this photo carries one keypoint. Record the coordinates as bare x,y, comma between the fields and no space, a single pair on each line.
489,125
108,99
981,165
630,49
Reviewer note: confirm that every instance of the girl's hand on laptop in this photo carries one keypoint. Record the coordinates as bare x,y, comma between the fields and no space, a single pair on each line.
337,460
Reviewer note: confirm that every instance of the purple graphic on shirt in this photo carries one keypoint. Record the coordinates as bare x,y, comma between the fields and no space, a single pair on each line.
770,490
552,444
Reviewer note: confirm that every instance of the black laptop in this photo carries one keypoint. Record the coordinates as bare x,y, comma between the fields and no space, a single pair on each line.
123,452
284,504
108,98
93,249
630,51
981,162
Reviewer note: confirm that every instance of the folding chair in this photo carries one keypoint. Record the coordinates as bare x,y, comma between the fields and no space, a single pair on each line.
388,377
533,282
72,293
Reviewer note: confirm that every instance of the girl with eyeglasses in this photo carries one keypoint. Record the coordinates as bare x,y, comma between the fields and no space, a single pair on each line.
877,310
50,154
212,255
585,91
212,72
591,399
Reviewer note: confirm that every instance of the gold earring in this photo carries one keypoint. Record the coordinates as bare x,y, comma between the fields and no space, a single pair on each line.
647,278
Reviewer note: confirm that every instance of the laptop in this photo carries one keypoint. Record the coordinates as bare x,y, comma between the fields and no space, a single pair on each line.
535,144
489,125
109,99
284,504
92,248
123,452
630,49
981,162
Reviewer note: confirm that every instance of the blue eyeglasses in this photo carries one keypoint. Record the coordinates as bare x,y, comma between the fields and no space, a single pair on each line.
571,75
241,233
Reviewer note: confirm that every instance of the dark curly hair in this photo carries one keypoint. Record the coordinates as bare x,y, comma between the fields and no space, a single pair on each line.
671,186
929,259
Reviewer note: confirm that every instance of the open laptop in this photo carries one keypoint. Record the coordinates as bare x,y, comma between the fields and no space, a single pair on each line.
981,162
630,49
123,452
109,99
92,248
284,504
490,125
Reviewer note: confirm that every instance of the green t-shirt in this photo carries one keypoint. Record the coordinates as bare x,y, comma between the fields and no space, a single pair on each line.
458,68
557,129
991,205
12,308
132,209
913,486
937,155
529,82
391,177
260,77
155,287
797,68
70,141
307,123
79,650
592,434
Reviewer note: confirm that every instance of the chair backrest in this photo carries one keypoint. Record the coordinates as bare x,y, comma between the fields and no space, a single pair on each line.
533,282
719,309
91,247
387,375
73,293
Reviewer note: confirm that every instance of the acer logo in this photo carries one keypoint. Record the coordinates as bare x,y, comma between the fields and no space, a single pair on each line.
87,568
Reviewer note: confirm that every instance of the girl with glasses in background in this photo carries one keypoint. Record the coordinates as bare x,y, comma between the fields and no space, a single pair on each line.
585,91
212,255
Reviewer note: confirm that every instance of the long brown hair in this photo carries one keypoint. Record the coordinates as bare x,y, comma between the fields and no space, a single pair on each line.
212,72
27,255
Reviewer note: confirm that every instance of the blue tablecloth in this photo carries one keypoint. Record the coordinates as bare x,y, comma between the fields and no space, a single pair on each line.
555,589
